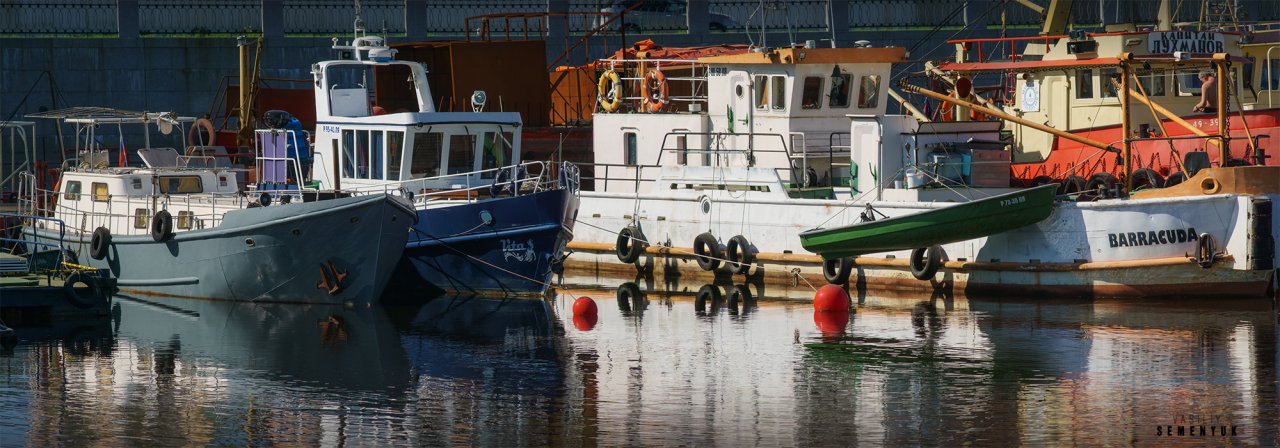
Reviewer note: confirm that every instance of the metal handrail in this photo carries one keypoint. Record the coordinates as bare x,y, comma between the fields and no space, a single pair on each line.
533,176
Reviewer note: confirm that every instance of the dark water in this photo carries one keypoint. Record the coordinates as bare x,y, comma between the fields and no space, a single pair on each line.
659,370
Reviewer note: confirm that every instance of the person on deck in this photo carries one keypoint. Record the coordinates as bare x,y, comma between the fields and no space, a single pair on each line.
302,153
1208,93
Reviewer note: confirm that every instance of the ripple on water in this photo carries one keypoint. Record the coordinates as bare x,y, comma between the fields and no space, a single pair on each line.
656,369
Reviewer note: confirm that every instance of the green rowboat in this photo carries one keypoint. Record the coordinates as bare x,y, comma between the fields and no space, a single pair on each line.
959,222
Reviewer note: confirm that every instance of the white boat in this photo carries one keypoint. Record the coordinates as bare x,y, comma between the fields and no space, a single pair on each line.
786,140
182,226
488,222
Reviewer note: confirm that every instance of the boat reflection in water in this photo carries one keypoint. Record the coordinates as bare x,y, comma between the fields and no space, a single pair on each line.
234,373
660,367
1056,373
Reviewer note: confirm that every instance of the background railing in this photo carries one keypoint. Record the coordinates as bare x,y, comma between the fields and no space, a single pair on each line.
94,18
58,17
798,15
446,17
174,17
311,17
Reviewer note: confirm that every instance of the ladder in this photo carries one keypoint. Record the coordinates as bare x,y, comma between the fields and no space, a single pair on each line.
1218,14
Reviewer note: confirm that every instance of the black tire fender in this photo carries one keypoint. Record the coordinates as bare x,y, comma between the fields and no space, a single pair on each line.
925,262
740,254
100,244
86,299
630,244
837,270
707,251
162,226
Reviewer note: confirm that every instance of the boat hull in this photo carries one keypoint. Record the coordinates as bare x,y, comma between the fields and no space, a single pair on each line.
339,251
452,249
944,225
1066,156
1108,248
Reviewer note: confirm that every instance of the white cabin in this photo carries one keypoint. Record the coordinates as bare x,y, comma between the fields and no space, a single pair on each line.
788,108
360,146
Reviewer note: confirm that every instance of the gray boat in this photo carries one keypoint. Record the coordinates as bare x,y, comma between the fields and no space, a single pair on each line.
182,227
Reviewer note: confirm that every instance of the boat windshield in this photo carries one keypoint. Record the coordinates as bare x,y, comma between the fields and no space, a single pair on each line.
454,151
357,90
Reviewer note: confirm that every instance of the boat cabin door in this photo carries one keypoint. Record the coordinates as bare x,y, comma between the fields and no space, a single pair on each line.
739,113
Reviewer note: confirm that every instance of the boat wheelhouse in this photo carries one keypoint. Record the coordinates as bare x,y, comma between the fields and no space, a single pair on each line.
1071,82
487,221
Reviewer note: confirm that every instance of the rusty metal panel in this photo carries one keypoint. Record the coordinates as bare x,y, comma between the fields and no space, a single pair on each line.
573,96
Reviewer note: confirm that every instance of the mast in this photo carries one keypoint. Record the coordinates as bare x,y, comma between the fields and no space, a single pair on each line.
1220,64
1126,136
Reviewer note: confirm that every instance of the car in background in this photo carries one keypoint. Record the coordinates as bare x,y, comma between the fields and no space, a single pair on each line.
662,15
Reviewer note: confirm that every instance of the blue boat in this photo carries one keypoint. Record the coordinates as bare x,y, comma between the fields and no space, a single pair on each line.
488,222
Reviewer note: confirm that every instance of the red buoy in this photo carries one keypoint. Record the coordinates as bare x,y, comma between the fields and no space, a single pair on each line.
831,298
831,323
584,306
584,322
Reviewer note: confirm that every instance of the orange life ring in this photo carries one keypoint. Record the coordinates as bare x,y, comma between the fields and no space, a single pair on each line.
654,91
193,136
947,111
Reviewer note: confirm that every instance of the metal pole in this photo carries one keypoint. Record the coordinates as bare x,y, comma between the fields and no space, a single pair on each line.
1003,116
1126,145
1224,149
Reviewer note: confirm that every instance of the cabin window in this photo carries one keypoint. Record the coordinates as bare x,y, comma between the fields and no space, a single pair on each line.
462,153
1187,82
1247,81
136,183
361,161
395,141
184,219
375,154
496,153
72,191
1084,84
762,92
1110,79
140,218
1271,75
811,96
779,89
348,153
1152,83
427,151
180,184
839,95
869,92
100,192
630,144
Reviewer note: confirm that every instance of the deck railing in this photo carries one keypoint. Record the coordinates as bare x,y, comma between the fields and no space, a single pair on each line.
515,180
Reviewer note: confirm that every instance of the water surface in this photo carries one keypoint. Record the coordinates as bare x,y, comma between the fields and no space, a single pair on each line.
659,369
